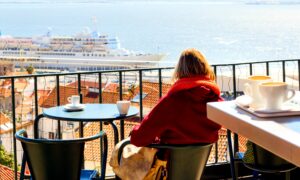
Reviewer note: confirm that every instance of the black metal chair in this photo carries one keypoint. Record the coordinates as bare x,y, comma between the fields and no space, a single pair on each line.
263,161
58,159
184,161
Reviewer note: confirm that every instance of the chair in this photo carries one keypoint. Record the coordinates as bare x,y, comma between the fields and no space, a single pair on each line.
263,161
58,159
185,161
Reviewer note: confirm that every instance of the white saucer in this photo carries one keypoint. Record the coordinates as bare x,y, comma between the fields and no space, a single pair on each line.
267,111
72,107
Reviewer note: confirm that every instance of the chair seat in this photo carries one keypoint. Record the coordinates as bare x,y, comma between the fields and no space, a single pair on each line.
267,168
258,159
89,174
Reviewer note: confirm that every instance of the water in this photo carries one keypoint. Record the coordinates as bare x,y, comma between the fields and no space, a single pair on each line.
225,32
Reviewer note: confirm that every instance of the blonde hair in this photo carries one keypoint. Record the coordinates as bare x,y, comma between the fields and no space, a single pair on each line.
192,62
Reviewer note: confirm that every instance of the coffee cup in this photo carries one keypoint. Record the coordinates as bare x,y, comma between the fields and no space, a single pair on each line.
251,89
74,100
274,94
123,107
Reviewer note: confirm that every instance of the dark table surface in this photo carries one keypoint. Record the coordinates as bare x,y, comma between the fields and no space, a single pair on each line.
91,112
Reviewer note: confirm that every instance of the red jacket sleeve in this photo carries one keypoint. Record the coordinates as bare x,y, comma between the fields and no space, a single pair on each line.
154,124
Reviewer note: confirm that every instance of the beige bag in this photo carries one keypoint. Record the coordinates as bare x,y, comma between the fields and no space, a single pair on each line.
135,161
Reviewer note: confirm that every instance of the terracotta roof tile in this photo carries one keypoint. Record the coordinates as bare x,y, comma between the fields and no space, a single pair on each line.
24,109
111,87
92,149
3,118
20,85
7,173
5,92
90,84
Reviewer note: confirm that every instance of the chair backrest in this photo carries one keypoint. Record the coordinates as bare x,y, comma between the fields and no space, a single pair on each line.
186,161
54,159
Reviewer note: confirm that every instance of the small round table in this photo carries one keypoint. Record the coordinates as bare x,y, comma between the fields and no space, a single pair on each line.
91,113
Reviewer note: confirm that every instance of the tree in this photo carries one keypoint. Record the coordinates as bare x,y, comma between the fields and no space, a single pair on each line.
6,159
30,69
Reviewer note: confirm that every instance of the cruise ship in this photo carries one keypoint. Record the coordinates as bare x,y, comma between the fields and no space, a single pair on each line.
83,51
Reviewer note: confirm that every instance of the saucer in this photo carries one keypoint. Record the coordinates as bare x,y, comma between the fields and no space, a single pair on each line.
267,111
71,107
243,100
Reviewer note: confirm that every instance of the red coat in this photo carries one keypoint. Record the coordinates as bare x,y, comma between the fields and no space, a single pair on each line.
180,116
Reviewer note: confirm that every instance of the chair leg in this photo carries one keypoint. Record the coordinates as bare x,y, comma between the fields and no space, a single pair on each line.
288,175
22,173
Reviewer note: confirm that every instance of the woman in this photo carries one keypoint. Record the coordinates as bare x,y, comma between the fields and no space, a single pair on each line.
180,116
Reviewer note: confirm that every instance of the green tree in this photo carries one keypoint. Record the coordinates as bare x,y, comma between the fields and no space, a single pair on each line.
6,159
30,69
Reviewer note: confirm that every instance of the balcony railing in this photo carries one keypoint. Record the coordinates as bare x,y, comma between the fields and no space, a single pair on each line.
23,96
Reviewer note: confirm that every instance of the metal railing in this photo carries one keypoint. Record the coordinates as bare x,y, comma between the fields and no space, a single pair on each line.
228,76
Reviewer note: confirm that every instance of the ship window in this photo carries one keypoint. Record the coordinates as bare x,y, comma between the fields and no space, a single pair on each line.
83,54
88,54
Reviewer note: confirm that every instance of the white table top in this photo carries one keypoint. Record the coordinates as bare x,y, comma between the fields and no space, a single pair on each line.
280,135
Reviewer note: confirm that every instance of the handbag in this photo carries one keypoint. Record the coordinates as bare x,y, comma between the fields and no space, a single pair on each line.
135,162
158,170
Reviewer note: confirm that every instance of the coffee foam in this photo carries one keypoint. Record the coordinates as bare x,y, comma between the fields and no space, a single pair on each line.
259,78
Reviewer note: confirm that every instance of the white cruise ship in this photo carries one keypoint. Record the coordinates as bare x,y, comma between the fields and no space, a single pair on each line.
84,51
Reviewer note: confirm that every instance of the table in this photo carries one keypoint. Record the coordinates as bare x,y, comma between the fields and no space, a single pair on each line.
280,135
91,113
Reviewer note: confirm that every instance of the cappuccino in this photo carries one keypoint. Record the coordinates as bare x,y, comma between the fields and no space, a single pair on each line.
274,94
251,89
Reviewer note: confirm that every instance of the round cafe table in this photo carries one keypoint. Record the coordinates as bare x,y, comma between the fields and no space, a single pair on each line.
90,113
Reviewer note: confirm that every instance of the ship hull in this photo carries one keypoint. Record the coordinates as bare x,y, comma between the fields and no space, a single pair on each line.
84,63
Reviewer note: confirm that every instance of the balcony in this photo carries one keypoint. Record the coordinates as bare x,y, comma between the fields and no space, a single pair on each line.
23,97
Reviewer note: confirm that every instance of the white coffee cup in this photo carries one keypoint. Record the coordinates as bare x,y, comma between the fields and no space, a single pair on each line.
123,107
74,100
251,89
274,94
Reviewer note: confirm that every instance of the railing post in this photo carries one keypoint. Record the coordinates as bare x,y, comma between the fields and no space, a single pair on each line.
215,72
267,68
14,125
58,103
236,146
234,81
160,83
81,101
121,98
100,87
216,144
141,92
101,123
283,71
251,69
120,86
36,97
